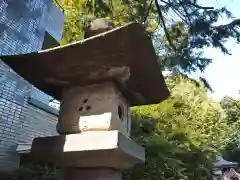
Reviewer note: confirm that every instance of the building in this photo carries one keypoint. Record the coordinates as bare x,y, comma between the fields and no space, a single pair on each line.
25,26
28,26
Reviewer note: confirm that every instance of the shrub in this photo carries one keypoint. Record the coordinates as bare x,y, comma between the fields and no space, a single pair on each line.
182,135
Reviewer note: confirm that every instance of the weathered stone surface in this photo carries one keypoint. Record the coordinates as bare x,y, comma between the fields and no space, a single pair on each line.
95,107
90,149
119,54
98,26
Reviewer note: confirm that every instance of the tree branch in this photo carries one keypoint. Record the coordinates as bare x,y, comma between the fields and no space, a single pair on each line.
231,24
164,26
179,13
148,11
198,6
186,12
58,4
187,19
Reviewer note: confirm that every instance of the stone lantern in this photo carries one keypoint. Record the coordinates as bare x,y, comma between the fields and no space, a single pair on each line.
97,80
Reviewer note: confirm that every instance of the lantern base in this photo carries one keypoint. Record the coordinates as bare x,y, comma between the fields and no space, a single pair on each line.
92,149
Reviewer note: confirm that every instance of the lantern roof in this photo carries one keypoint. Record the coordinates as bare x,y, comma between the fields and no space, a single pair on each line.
125,55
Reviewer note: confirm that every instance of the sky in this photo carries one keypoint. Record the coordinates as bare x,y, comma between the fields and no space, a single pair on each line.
224,72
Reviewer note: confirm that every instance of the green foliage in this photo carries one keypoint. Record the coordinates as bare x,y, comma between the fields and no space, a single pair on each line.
78,14
197,30
232,109
232,150
31,171
181,135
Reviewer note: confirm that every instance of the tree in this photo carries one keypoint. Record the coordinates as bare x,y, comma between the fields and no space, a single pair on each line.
231,107
182,135
186,38
179,28
232,150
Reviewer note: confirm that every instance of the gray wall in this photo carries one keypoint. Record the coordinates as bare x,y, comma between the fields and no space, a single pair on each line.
23,24
24,110
22,117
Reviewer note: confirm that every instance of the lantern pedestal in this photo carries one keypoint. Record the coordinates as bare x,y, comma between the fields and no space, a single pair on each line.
90,155
93,149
